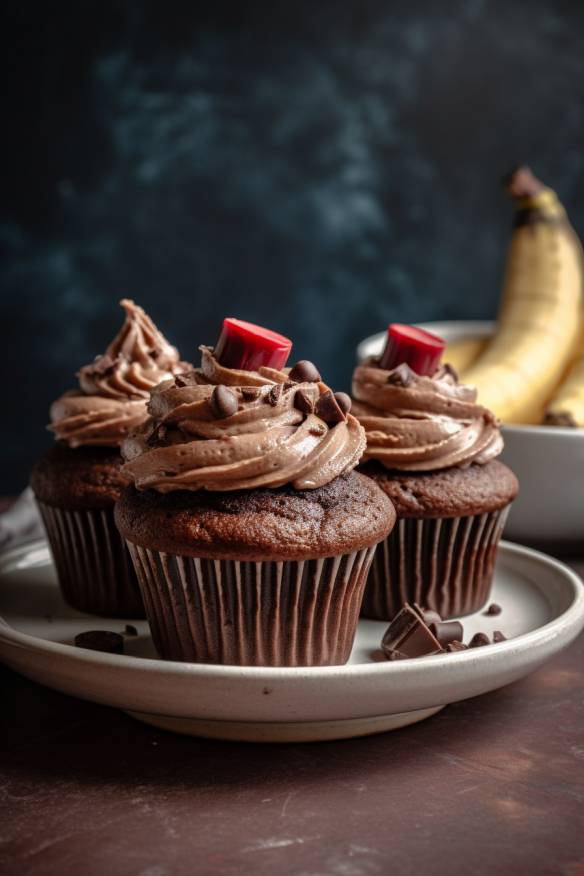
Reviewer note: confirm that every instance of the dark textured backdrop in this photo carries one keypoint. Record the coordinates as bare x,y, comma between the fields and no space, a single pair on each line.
320,167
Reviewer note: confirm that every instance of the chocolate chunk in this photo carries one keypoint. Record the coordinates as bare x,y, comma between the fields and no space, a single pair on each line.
456,646
478,640
328,408
223,403
499,637
130,630
250,393
447,631
304,372
274,394
101,640
303,402
409,635
428,615
493,609
401,376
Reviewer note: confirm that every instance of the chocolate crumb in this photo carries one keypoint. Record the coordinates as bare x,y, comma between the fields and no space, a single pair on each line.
101,640
317,430
223,402
250,393
304,372
456,646
493,609
499,637
303,402
478,640
130,630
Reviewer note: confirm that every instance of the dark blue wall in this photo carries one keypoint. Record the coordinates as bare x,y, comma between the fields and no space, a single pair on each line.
320,167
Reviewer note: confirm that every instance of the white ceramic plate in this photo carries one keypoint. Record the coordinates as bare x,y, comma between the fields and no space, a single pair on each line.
543,611
549,462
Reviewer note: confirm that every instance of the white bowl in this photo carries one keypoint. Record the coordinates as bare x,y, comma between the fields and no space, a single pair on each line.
549,461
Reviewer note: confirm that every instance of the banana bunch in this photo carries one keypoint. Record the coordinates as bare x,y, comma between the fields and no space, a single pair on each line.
566,407
540,316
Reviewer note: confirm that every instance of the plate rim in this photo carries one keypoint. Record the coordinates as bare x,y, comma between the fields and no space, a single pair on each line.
572,618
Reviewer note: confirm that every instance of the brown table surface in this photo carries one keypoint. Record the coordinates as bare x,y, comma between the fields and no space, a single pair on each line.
491,785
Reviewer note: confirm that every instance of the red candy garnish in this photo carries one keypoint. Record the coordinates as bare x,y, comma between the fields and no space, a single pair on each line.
414,346
248,347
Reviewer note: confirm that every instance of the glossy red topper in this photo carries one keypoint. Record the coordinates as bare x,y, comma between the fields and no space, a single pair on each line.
419,349
247,347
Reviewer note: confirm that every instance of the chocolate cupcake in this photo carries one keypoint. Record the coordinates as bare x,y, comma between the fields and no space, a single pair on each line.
432,449
250,532
78,481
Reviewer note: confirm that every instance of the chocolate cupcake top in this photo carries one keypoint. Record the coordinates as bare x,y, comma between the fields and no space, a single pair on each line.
219,428
422,423
113,390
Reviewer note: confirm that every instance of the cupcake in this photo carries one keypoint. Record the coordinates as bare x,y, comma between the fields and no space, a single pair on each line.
250,532
432,450
77,482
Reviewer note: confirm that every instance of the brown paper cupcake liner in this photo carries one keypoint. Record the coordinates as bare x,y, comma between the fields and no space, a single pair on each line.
93,565
292,613
443,564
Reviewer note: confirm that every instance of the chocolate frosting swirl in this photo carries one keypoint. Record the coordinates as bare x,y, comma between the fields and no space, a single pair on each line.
267,442
113,390
416,423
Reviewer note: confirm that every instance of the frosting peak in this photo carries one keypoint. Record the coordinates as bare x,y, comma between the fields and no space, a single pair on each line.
263,430
416,423
113,389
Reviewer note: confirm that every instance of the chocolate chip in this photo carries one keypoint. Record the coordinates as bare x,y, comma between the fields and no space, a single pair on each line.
447,631
456,646
343,401
130,630
317,430
101,640
328,408
303,402
499,637
304,372
274,394
493,609
401,376
478,640
250,393
223,403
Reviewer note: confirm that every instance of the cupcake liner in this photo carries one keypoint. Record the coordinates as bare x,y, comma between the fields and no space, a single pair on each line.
445,564
93,565
289,613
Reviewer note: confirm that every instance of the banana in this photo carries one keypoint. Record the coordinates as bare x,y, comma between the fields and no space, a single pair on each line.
539,319
566,407
463,353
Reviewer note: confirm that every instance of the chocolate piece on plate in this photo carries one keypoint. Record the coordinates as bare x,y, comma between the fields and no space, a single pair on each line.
409,636
428,615
130,630
493,610
478,640
456,646
499,637
447,631
101,640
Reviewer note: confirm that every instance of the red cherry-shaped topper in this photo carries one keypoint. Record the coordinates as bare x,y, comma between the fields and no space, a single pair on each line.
414,346
248,347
